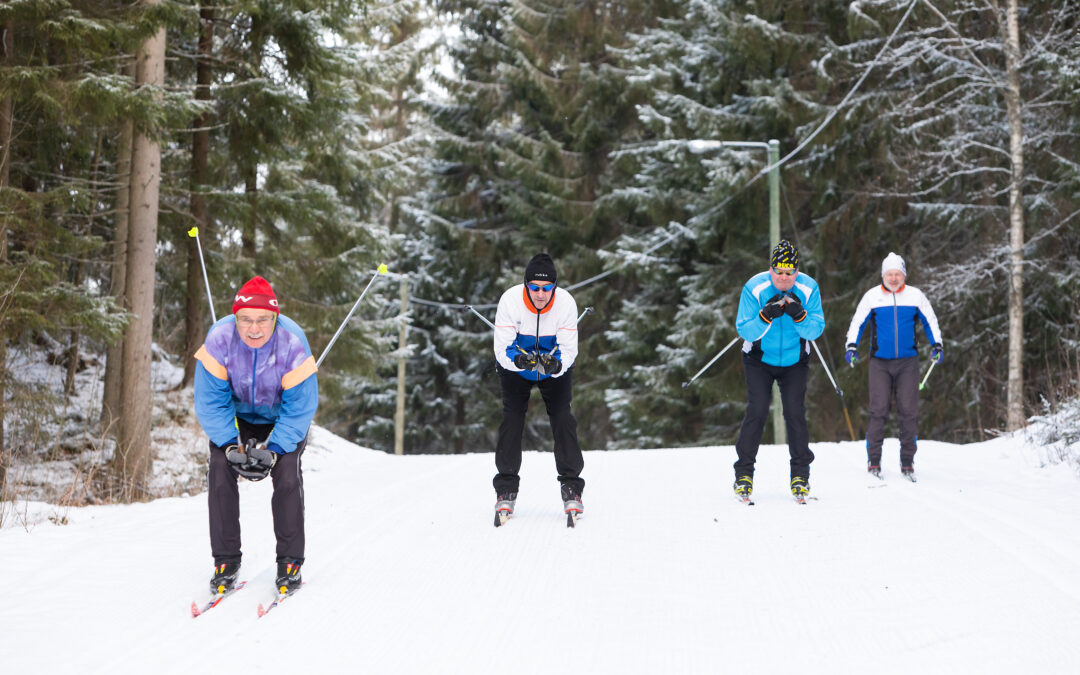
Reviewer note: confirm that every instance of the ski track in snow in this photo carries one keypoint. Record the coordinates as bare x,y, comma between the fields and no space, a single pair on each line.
972,569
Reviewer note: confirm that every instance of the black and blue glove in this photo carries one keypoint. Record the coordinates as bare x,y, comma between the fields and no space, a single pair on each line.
937,352
851,355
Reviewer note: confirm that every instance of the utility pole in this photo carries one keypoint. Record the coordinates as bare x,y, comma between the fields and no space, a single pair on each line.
399,415
772,149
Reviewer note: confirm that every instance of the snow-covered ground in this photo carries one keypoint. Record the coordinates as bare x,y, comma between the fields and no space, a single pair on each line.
973,569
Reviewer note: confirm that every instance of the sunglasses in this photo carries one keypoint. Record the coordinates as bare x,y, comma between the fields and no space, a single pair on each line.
545,288
785,272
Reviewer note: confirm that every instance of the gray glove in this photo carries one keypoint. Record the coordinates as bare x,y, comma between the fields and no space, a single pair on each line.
254,462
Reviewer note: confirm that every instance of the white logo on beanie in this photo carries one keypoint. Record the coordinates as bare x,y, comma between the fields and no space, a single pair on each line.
893,262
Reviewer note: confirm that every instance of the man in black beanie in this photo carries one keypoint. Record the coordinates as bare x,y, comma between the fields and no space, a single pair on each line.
535,345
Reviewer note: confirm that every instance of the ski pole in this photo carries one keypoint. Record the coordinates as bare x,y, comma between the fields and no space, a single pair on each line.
194,234
381,270
928,371
839,391
698,374
482,317
588,310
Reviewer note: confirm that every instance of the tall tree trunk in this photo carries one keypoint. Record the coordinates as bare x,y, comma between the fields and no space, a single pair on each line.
114,355
136,407
251,188
8,46
200,154
1015,395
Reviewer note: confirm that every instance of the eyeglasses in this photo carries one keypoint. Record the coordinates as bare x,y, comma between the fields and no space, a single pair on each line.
545,288
261,322
785,272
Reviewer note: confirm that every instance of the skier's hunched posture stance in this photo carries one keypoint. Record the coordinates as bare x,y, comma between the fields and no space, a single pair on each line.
892,310
256,393
536,342
779,313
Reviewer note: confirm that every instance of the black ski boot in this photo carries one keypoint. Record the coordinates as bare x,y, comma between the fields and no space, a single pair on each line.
908,472
874,470
224,579
744,488
504,507
288,577
571,505
800,489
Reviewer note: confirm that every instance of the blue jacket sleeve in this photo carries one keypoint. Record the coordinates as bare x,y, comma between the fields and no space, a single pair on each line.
298,406
813,324
748,323
214,406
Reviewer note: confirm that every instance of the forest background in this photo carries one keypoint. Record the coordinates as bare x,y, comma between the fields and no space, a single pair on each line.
310,141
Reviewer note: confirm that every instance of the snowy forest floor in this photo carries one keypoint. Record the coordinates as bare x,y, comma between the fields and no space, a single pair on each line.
972,569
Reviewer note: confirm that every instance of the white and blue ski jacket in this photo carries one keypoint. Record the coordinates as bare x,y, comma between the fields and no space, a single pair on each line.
519,327
892,318
784,342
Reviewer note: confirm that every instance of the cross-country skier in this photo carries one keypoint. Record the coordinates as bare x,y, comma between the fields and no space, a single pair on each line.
256,393
536,342
779,313
892,310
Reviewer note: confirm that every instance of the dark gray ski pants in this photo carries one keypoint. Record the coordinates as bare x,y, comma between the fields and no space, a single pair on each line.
557,392
287,503
891,378
759,381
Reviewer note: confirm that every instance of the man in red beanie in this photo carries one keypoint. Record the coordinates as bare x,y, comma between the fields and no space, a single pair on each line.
256,393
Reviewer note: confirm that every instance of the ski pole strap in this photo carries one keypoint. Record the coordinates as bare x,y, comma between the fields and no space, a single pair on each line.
482,317
706,367
927,377
839,391
381,270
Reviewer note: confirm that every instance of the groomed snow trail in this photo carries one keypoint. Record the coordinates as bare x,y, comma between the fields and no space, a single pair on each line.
972,569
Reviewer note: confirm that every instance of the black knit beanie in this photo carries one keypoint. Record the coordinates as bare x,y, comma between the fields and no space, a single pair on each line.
541,267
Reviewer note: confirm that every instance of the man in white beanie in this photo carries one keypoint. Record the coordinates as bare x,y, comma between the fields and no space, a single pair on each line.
891,310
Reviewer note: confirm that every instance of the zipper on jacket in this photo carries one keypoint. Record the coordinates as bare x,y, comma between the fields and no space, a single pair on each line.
896,327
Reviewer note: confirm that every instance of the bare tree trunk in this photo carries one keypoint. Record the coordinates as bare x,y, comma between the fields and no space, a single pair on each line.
251,188
1015,395
136,408
200,154
114,355
8,45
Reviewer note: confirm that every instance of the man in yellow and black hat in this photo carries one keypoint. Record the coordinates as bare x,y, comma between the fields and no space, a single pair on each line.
779,313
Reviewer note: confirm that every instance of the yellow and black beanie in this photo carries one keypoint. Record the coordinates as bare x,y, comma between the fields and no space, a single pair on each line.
785,255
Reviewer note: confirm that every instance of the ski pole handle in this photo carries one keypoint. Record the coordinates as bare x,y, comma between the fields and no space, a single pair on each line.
588,310
381,270
928,371
194,234
698,373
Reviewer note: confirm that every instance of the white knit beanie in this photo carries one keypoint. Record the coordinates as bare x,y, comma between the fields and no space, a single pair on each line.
893,262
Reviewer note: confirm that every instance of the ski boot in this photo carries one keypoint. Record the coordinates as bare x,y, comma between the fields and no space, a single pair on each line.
744,487
908,472
288,577
504,507
800,489
874,470
224,579
572,505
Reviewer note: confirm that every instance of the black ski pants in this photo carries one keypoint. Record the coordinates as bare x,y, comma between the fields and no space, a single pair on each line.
759,380
556,392
899,379
286,504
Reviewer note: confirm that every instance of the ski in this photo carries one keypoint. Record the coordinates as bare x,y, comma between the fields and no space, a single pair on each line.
744,499
214,601
909,476
800,499
504,508
501,517
280,598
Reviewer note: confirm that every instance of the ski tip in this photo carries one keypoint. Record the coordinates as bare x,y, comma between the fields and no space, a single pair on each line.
262,611
571,521
194,610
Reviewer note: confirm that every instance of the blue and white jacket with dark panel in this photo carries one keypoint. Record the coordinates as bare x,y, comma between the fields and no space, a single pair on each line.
892,318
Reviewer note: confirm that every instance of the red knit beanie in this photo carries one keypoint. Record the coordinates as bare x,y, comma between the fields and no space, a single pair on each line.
256,294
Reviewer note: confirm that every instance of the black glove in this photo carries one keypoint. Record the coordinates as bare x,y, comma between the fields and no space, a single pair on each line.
525,361
773,309
794,308
549,365
254,462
